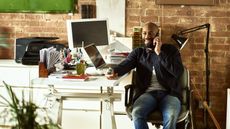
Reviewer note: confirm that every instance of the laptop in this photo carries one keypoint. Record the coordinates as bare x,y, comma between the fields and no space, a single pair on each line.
96,57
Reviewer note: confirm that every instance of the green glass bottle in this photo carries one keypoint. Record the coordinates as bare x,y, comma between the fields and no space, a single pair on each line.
80,67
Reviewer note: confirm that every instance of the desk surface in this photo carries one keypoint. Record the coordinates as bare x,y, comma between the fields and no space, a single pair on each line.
93,81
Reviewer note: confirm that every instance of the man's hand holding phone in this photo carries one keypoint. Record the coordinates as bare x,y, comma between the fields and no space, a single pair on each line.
158,45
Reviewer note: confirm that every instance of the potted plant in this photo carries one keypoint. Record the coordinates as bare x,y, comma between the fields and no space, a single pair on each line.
25,114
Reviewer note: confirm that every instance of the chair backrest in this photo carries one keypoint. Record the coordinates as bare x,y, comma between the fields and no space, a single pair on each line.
185,84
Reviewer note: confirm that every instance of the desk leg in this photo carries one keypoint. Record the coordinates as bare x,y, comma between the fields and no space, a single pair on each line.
107,113
59,120
52,90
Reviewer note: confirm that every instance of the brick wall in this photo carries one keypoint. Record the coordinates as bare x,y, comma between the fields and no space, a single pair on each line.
171,19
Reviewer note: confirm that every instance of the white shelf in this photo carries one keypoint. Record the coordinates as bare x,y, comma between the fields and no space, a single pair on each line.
12,63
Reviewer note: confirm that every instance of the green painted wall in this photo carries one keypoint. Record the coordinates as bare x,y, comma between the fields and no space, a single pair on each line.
55,6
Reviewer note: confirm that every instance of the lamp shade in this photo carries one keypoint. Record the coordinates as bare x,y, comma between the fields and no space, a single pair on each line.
180,40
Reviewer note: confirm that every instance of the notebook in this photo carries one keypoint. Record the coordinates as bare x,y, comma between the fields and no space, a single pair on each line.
96,57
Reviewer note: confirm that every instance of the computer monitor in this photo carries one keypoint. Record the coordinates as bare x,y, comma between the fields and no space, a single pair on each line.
87,31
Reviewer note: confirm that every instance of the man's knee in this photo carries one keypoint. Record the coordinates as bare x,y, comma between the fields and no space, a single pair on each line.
138,113
170,117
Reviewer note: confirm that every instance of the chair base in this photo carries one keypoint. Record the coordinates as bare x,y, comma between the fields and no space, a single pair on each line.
180,125
184,125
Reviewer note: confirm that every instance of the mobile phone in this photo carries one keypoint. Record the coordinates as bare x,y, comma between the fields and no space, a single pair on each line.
158,34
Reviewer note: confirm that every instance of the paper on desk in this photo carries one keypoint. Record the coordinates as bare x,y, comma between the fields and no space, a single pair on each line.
49,56
42,55
59,74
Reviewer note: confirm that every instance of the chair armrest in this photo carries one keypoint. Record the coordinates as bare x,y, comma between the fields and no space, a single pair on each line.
188,97
128,95
191,109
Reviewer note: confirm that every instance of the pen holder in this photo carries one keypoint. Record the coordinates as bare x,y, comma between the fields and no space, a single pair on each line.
43,72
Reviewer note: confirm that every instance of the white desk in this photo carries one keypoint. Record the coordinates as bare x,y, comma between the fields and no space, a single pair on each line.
107,118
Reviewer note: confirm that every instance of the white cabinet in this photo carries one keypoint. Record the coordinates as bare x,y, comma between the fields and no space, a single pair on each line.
18,76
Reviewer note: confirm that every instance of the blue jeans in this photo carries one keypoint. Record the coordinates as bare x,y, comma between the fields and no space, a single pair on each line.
170,107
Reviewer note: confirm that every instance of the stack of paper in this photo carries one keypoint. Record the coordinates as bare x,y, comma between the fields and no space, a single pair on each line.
117,57
50,56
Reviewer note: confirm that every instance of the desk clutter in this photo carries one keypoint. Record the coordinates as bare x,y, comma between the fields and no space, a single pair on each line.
65,59
52,60
68,75
73,75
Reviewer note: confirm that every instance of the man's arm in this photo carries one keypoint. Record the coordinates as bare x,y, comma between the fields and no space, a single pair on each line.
170,58
125,66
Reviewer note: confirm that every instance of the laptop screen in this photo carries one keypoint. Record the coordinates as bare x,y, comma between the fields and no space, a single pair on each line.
95,56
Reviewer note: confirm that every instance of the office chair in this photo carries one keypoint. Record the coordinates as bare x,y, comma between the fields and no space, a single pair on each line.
185,118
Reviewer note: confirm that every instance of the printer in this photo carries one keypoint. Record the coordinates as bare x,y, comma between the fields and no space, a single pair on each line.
27,49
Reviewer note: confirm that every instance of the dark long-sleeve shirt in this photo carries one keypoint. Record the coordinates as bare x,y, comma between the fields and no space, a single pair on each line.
168,67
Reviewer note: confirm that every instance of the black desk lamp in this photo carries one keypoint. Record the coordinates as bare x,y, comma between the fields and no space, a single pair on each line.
181,41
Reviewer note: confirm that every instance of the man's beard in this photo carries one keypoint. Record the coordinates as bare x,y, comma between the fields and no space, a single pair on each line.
150,44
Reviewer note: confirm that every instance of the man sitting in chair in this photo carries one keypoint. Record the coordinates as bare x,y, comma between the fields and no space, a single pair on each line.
158,67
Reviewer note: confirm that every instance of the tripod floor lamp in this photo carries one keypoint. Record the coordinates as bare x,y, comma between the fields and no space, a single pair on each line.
181,41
